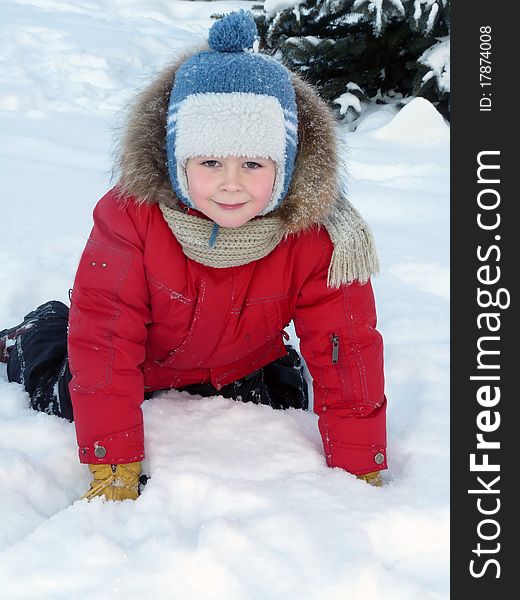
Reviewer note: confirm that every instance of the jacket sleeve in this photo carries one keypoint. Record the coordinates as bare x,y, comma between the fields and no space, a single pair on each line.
106,339
344,354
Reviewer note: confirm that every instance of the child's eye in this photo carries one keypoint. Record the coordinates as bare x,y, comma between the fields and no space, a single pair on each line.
210,163
252,165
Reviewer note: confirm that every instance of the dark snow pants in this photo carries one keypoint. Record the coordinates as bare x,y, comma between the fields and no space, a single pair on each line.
38,360
279,384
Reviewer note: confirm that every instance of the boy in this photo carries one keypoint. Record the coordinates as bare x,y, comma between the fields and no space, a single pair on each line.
228,221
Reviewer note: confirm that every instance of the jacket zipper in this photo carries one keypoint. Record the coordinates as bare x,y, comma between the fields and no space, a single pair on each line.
335,349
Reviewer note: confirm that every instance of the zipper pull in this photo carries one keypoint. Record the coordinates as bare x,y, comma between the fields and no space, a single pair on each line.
335,349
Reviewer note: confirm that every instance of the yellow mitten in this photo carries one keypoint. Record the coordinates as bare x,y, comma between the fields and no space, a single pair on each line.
373,478
115,482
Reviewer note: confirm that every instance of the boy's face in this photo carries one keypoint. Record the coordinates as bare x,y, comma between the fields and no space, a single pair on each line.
231,190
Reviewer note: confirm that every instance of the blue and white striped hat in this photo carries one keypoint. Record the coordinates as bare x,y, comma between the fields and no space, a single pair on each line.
231,101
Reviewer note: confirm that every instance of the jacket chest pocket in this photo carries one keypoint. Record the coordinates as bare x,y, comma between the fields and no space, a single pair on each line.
263,321
173,315
273,318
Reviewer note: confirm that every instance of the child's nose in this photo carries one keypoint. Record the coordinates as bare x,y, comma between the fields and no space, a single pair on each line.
231,179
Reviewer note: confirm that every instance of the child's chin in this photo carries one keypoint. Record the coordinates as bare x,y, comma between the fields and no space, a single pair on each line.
233,225
232,222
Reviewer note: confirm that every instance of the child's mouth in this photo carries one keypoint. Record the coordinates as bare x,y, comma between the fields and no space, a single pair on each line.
231,206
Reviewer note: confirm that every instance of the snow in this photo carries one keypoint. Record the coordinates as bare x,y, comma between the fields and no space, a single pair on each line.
349,100
240,504
437,57
376,6
418,122
271,7
346,101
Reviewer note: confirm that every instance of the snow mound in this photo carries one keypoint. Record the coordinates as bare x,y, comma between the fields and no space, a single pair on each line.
419,122
375,118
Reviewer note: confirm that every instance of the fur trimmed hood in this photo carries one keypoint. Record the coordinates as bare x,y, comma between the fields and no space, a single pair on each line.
141,156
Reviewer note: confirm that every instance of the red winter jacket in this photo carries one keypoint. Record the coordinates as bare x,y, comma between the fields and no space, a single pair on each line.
145,317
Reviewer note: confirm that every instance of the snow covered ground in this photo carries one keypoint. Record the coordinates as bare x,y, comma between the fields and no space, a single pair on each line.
240,504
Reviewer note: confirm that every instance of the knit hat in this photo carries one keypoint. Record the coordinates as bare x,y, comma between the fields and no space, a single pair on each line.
230,101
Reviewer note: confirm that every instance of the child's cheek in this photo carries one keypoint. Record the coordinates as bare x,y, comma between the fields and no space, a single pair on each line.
267,188
198,186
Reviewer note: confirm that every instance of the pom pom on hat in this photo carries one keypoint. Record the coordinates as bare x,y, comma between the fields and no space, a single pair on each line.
227,102
233,33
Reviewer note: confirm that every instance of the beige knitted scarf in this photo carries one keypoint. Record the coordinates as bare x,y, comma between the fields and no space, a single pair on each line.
353,258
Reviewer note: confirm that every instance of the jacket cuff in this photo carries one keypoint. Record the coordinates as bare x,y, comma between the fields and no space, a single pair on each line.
115,449
357,459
